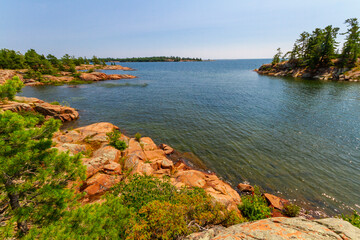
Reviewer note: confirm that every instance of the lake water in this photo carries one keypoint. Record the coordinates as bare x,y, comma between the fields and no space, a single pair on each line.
299,139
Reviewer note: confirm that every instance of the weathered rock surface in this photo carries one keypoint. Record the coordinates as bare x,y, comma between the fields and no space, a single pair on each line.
63,113
283,228
107,67
245,187
275,201
105,164
99,76
286,69
6,74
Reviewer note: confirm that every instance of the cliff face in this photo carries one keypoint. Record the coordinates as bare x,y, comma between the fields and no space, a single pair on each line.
286,69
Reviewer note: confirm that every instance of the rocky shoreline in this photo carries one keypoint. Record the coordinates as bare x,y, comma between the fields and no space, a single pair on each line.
67,77
34,105
107,166
287,69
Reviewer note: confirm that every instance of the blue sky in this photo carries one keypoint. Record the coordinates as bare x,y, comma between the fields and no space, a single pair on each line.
213,29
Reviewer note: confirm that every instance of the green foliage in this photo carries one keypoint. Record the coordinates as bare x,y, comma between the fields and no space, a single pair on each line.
291,210
9,59
137,137
9,89
354,219
90,70
55,103
95,60
37,117
319,48
351,49
33,176
164,212
107,220
276,58
254,207
143,208
114,140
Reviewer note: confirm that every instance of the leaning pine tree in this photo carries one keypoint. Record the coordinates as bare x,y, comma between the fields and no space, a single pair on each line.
33,175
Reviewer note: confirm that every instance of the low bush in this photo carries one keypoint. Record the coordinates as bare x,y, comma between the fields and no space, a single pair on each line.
254,207
143,208
107,220
164,212
291,210
137,137
38,118
55,103
354,219
9,89
114,138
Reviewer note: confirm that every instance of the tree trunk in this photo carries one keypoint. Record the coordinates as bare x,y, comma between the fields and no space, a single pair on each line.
15,204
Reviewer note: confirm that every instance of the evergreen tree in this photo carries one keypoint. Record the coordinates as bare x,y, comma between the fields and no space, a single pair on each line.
32,60
10,88
33,175
351,49
276,58
95,60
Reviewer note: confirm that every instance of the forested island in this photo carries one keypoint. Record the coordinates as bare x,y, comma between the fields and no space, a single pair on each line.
152,59
318,55
36,69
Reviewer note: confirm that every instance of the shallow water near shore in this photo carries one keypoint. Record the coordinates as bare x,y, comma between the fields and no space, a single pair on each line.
299,139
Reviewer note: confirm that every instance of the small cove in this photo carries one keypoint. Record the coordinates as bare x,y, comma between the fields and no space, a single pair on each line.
299,139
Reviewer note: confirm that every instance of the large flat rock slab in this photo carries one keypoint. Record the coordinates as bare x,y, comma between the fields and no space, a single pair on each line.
284,228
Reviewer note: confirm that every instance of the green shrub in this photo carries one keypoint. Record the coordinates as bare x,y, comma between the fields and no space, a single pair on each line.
143,208
164,212
90,70
76,75
137,137
9,89
55,103
254,207
37,117
114,138
33,75
106,220
354,219
291,210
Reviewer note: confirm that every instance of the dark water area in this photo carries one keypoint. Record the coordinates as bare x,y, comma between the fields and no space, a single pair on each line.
299,139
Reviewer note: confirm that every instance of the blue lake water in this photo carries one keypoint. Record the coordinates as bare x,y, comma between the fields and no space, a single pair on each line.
297,138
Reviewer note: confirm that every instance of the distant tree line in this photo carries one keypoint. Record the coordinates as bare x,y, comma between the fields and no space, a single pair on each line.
38,64
151,59
320,48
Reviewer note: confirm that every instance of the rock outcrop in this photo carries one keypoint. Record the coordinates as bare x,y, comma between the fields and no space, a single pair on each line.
106,165
286,69
106,67
63,113
283,229
99,76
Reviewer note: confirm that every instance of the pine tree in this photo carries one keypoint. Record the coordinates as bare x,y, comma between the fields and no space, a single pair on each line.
33,175
351,49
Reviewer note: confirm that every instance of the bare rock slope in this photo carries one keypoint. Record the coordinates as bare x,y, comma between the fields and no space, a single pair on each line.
283,228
